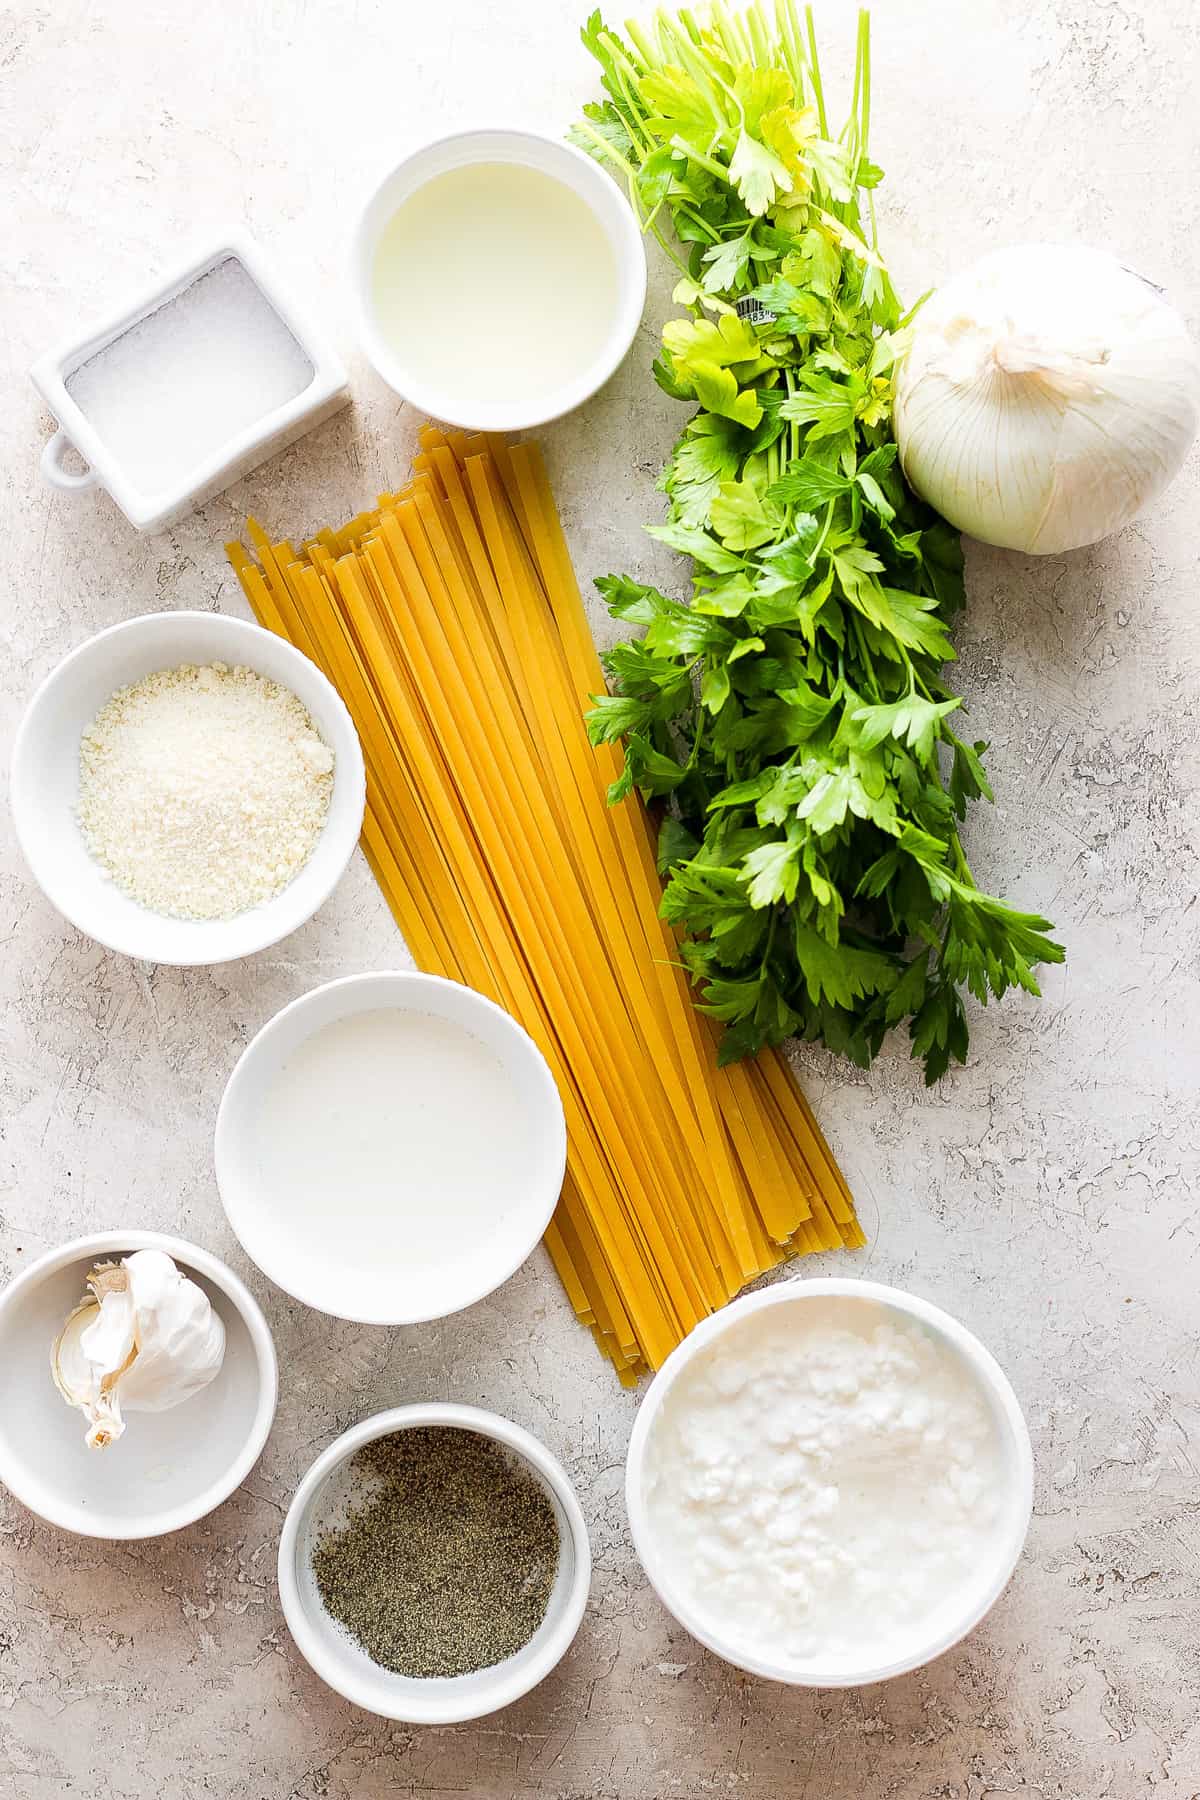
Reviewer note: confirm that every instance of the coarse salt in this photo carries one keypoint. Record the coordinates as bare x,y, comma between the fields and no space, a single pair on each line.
176,388
203,790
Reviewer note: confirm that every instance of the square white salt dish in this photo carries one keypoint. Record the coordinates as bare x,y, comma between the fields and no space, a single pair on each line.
192,386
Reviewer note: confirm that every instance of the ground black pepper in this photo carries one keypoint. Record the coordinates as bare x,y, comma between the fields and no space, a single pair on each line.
447,1563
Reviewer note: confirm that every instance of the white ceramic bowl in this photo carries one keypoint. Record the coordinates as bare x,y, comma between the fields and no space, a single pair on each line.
282,425
169,1468
45,786
388,1294
550,157
1014,1448
338,1660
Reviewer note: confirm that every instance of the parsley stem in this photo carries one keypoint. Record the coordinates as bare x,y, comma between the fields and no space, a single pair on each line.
793,425
864,55
627,78
641,44
864,31
688,48
787,33
964,867
814,71
851,134
825,530
666,247
652,215
694,758
650,224
756,27
686,212
706,162
729,32
864,656
608,151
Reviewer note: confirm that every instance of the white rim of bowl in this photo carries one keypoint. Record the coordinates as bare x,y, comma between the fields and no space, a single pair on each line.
978,1359
312,1643
631,276
26,831
411,977
191,1256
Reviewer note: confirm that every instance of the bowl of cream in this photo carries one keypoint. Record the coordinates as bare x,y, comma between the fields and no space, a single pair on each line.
830,1482
499,278
390,1147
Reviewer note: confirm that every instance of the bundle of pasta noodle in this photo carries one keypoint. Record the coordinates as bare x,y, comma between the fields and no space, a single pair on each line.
450,622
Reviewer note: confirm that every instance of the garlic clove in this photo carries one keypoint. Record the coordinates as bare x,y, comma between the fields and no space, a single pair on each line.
107,1424
108,1278
144,1338
83,1381
108,1340
70,1368
180,1338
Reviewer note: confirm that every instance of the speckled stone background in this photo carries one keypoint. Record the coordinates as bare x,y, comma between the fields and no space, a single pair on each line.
1046,1193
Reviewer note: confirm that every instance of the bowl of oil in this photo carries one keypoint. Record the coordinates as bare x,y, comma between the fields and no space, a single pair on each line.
564,291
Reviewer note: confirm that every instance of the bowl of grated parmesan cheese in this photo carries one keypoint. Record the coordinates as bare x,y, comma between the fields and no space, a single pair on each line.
187,788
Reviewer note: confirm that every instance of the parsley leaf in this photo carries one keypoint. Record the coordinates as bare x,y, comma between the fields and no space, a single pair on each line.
912,719
709,453
840,973
742,517
757,173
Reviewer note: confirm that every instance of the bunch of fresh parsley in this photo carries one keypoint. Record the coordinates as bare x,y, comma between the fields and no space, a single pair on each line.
795,711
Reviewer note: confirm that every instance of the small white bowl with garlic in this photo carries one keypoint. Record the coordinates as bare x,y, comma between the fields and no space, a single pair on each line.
175,1436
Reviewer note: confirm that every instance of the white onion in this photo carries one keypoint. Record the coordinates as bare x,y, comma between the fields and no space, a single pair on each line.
1047,395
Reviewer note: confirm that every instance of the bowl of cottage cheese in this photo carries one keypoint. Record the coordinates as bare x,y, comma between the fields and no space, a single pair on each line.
830,1482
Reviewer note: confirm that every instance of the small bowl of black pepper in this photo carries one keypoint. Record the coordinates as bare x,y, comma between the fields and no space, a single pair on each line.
434,1565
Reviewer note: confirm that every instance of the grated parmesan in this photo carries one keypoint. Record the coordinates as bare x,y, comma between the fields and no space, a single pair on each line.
203,790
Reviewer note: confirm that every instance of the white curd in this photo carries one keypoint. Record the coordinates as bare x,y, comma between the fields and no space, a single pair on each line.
823,1483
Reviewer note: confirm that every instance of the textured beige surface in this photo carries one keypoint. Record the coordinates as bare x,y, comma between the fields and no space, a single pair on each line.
1045,1194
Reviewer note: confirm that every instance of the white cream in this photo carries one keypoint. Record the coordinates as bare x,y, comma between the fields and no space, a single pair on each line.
390,1143
823,1483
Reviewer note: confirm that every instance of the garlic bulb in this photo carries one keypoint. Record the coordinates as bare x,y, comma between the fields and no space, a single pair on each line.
142,1339
1047,395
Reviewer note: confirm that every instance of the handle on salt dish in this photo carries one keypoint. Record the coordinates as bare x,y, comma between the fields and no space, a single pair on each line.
52,466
